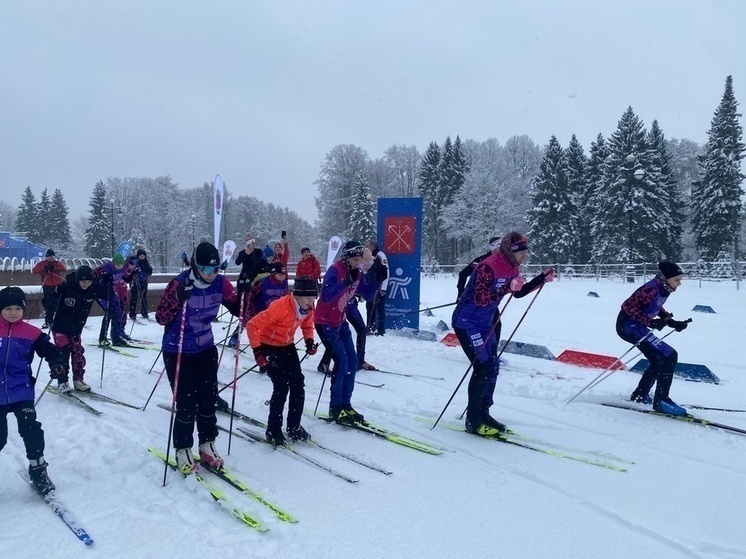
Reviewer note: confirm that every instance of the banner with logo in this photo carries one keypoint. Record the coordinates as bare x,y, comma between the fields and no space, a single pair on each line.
125,248
218,192
335,243
229,247
400,237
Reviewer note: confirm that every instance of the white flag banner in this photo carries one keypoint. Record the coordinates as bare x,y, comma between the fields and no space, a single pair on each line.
229,247
335,243
218,203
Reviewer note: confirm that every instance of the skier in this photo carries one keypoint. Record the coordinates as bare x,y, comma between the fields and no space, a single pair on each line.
463,275
259,271
378,275
644,310
188,341
266,290
76,299
341,281
106,276
50,269
122,289
139,295
473,322
308,265
19,340
271,335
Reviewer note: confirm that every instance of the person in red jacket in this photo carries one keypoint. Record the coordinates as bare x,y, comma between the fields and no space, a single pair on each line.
308,265
271,334
282,250
51,271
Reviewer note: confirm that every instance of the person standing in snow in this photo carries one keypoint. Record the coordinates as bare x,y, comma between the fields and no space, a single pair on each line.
341,281
196,294
308,265
19,341
250,260
271,335
642,311
473,322
139,295
51,271
76,299
106,277
378,274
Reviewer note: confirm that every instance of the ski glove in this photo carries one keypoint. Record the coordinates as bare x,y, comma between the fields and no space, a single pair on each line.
658,323
311,347
243,285
261,359
184,291
352,276
516,284
548,274
677,325
57,371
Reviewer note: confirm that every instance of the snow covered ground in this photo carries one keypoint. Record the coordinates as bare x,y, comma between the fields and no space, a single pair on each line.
682,496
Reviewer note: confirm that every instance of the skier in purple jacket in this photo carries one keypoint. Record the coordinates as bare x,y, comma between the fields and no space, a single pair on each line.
198,292
341,281
641,313
473,321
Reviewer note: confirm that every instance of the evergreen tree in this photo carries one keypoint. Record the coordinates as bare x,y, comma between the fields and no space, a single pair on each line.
552,218
659,178
98,239
59,221
591,212
716,197
362,220
27,220
620,202
341,167
428,186
44,232
581,192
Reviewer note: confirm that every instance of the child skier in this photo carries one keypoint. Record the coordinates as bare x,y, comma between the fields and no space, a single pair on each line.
198,292
76,299
19,340
271,335
644,310
341,281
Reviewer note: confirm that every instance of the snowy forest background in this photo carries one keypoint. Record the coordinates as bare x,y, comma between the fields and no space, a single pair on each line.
634,196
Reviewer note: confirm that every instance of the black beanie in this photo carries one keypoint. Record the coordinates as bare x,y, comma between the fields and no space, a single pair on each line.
305,286
12,296
84,273
141,251
206,255
50,252
670,269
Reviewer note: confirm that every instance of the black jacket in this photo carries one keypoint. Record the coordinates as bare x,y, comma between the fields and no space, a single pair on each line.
74,307
251,264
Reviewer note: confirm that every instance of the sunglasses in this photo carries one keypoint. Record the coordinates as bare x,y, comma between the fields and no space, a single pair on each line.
208,269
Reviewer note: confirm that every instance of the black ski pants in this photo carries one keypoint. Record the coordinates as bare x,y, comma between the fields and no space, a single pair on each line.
196,395
286,376
28,427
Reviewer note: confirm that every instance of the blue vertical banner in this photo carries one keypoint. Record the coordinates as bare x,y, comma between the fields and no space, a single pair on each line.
400,237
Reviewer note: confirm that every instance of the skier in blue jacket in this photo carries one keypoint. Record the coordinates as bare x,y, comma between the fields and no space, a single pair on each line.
19,340
641,313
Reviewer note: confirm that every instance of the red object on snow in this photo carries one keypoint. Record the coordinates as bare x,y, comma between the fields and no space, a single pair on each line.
591,360
450,340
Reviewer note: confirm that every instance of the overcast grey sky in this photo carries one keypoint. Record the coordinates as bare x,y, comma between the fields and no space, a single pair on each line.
261,91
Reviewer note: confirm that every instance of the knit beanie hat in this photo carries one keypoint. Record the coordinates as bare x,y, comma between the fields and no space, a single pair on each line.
12,296
117,259
84,273
669,270
141,252
277,268
50,252
268,252
305,286
206,255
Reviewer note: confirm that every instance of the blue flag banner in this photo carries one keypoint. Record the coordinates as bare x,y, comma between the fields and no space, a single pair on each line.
125,248
400,237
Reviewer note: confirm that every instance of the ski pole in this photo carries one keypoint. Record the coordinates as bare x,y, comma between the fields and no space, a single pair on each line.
235,369
430,308
134,302
598,380
225,341
321,390
158,380
471,364
513,332
157,357
180,347
45,388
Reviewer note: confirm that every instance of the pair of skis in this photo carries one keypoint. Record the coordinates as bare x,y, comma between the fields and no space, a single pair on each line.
688,418
78,398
